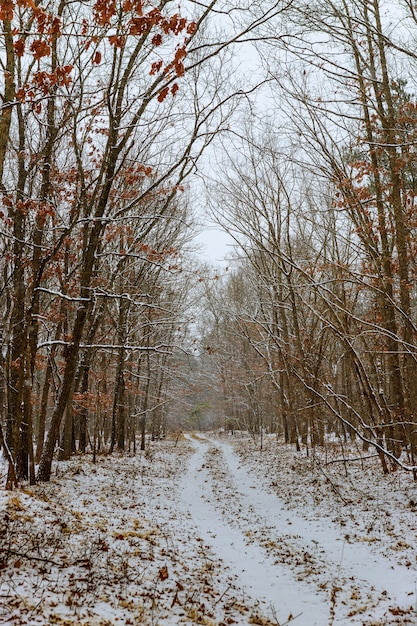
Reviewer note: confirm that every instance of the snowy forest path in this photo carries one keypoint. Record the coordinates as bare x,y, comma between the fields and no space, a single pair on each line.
302,571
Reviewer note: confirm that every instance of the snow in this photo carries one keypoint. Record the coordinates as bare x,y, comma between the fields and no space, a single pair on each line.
256,571
209,530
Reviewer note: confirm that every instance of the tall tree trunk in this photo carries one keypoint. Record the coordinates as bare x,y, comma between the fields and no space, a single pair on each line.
9,96
45,464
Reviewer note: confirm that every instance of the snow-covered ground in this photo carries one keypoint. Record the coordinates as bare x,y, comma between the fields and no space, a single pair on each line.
209,530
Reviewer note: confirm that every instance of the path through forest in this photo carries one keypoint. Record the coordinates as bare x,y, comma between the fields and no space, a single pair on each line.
304,571
209,530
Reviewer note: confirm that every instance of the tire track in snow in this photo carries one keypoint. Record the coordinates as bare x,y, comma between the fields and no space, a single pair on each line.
358,572
225,501
263,580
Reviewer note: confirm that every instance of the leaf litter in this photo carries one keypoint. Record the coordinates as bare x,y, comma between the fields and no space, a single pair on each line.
104,544
210,531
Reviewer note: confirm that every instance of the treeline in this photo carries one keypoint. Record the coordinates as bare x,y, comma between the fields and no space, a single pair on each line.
92,226
316,324
106,109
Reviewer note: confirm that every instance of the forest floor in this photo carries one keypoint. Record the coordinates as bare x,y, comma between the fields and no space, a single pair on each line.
211,530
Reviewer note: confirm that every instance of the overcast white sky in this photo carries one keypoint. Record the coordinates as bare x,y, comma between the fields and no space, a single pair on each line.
215,246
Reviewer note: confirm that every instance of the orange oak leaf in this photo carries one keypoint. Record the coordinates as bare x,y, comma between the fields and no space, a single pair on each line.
163,94
40,49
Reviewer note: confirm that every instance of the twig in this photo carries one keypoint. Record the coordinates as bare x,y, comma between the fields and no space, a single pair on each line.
223,594
358,458
333,486
31,558
292,619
